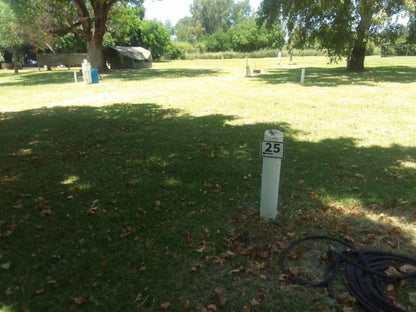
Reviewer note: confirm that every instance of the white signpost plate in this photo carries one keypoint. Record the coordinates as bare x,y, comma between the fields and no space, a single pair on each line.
272,149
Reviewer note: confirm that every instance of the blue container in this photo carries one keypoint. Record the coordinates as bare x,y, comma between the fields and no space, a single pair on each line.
94,75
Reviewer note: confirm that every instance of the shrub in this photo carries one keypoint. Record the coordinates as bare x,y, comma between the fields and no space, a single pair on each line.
218,42
174,51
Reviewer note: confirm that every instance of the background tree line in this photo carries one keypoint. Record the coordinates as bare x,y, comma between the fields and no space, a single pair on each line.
342,29
225,25
28,26
78,26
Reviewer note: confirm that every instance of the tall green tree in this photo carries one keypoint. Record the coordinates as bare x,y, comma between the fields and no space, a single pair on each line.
411,37
248,36
219,41
124,25
93,16
86,18
219,15
187,29
342,28
155,37
36,19
11,36
240,12
411,6
214,15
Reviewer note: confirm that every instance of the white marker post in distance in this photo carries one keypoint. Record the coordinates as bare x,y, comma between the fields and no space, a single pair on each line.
272,153
302,76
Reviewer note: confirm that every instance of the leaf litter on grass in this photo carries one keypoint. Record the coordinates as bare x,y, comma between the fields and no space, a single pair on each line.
253,248
112,162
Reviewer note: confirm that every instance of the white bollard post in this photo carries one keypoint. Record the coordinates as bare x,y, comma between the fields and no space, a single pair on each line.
248,72
75,77
86,72
302,77
272,153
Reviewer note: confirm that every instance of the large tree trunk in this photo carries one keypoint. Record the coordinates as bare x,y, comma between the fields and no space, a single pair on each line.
95,55
357,57
15,61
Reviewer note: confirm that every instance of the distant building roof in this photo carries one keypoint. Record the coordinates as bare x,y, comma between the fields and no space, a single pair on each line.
135,53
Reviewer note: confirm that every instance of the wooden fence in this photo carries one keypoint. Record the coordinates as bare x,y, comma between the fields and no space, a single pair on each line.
61,59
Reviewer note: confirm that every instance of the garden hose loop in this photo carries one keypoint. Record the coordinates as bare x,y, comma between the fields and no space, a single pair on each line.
365,272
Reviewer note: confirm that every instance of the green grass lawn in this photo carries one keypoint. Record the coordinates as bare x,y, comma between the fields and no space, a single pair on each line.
141,193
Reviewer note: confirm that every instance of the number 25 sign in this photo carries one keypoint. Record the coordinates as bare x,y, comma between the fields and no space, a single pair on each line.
272,149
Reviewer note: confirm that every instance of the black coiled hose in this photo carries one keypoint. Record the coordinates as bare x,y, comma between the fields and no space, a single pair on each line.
365,272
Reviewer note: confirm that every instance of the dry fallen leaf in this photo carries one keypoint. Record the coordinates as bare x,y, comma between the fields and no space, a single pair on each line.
313,195
407,268
207,185
165,306
391,271
346,298
358,176
212,307
284,279
220,295
46,213
202,308
186,304
139,297
127,231
202,246
390,290
236,270
94,207
390,243
79,300
260,265
158,205
263,254
254,302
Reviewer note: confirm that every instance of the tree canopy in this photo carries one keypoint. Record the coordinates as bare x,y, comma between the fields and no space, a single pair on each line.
223,25
79,25
219,15
12,32
124,25
342,28
156,36
213,15
85,18
9,37
92,17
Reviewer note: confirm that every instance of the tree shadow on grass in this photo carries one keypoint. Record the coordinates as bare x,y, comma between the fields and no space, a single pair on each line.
332,77
125,202
31,78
